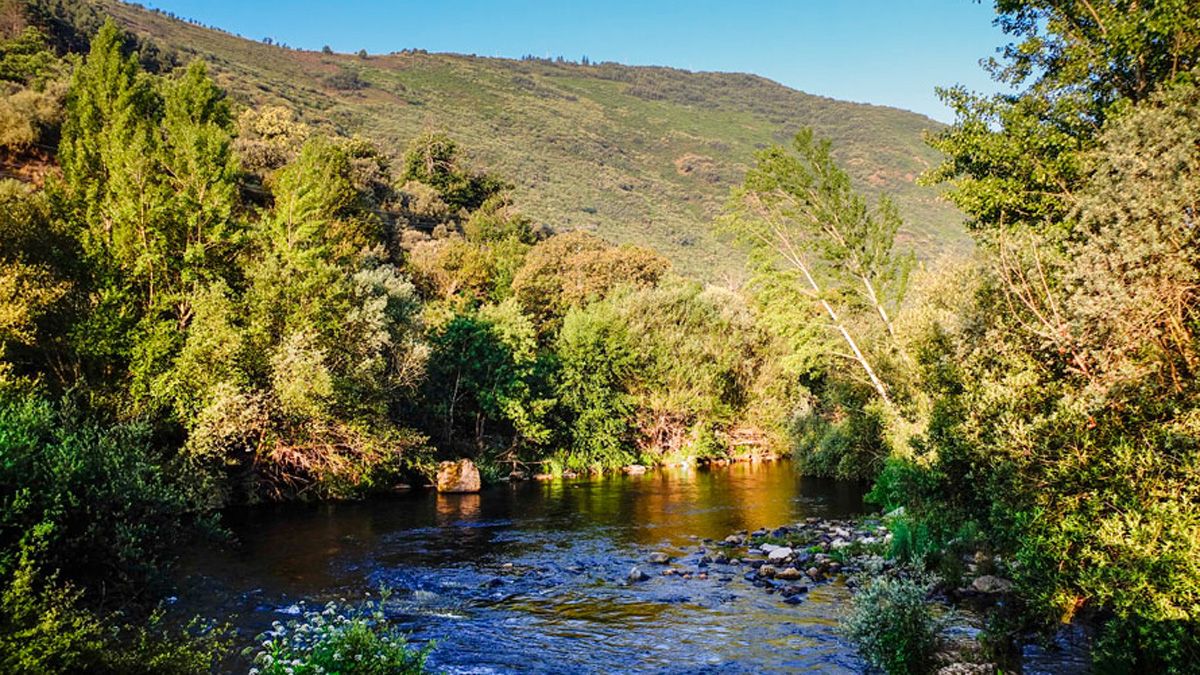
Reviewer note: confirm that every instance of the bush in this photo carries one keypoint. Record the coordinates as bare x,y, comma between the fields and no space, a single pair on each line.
338,639
893,626
84,501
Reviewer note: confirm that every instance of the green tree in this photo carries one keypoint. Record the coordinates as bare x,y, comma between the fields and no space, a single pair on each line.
800,213
597,365
434,159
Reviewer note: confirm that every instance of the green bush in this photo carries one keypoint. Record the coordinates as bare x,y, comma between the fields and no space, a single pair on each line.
893,626
338,639
86,501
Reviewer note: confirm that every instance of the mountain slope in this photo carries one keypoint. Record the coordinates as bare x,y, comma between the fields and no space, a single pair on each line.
637,154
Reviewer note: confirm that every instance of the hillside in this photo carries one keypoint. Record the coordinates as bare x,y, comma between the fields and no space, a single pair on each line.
636,154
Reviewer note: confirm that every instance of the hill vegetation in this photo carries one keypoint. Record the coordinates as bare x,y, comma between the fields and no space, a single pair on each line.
639,155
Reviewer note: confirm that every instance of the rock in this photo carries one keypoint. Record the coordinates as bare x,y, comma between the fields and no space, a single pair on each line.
634,469
814,574
838,543
779,554
636,574
767,548
733,540
991,584
967,669
460,476
658,558
834,568
794,590
793,599
789,574
721,559
767,571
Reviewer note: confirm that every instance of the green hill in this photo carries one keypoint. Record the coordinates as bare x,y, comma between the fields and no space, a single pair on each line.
636,154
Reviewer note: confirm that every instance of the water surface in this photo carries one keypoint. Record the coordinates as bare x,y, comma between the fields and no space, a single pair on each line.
531,577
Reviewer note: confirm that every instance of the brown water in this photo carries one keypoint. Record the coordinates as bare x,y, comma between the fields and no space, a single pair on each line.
531,577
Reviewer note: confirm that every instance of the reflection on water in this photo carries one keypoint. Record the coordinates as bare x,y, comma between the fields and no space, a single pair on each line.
531,576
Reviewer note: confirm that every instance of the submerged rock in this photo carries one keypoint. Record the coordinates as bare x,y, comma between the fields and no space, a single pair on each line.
636,574
991,584
460,476
658,558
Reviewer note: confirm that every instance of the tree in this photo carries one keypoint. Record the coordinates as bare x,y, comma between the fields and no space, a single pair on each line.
1015,159
798,208
434,159
597,364
573,268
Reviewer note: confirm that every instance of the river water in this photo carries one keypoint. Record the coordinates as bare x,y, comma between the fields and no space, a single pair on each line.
531,577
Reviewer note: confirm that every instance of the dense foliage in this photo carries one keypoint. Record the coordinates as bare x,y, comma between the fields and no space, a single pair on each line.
1061,423
201,306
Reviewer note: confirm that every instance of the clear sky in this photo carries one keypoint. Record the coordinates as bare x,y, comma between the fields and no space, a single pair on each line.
890,52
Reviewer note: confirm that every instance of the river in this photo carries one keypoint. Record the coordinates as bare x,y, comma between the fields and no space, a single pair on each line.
531,577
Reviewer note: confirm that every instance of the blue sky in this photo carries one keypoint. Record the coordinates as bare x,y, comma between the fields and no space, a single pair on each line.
879,51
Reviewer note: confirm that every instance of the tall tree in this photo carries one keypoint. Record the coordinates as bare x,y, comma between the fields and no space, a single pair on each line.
798,208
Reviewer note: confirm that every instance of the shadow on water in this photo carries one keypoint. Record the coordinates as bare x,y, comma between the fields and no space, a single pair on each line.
530,577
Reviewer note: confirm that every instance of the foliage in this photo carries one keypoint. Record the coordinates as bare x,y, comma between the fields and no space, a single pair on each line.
433,159
842,433
1063,419
485,369
338,639
87,507
893,625
571,269
90,501
597,362
1016,159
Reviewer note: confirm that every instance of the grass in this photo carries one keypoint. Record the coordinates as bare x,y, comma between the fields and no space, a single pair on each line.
637,154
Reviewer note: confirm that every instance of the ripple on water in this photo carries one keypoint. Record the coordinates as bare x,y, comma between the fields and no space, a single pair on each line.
532,577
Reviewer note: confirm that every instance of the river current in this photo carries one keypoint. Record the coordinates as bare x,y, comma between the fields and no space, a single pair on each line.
532,577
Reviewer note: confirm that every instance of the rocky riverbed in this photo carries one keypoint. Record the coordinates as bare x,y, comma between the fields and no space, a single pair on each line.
790,560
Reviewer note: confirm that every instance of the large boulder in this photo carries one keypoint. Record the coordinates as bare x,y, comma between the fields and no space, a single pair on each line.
460,476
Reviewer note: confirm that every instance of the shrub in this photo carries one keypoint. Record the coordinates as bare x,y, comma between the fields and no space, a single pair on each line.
893,626
87,501
338,639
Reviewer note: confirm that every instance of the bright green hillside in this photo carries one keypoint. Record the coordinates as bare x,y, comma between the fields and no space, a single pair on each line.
637,154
